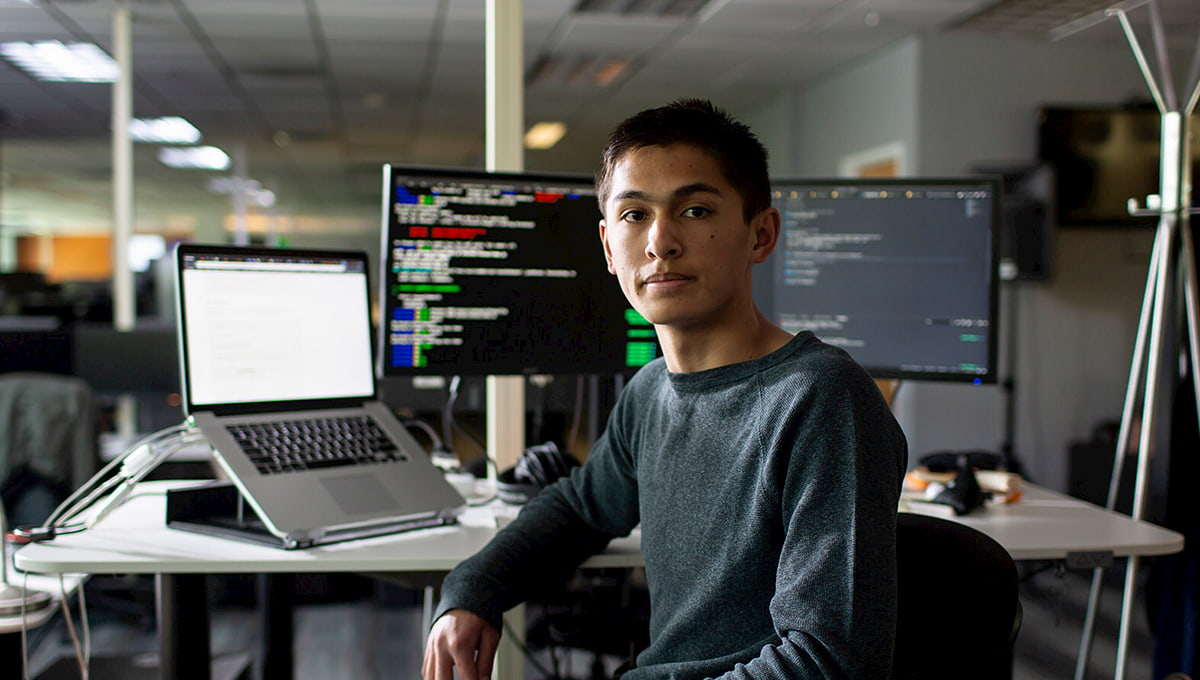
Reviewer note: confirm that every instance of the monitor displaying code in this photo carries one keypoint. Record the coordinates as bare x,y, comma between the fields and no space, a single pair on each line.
900,273
500,274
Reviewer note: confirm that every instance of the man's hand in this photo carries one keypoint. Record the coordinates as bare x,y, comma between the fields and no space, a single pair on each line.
460,638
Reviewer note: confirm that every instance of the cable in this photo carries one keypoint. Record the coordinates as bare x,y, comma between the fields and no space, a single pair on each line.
66,612
450,425
482,501
135,463
142,467
435,440
87,626
67,504
24,625
477,442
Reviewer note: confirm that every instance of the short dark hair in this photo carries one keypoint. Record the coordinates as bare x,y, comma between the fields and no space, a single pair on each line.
697,123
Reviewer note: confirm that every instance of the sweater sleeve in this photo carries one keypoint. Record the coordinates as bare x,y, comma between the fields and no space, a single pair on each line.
835,589
540,549
562,526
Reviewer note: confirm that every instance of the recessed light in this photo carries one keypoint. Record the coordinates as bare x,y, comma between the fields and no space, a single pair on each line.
544,135
610,71
52,60
166,130
202,157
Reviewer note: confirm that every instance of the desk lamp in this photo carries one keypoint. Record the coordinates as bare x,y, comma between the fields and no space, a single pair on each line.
15,600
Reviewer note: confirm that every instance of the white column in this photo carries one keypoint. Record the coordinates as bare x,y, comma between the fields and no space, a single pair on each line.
505,114
506,394
124,306
505,85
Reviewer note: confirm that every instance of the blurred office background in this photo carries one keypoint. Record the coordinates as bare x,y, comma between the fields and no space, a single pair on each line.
305,100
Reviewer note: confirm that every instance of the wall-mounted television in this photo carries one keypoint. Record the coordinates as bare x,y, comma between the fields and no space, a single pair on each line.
1102,157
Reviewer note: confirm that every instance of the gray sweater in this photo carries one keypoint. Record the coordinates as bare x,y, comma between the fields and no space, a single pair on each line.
766,493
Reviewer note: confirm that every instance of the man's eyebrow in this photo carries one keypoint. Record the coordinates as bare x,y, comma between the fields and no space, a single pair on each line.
685,190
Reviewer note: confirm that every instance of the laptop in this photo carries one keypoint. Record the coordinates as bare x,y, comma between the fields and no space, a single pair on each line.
276,358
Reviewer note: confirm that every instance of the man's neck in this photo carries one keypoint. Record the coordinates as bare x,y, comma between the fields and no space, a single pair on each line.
689,350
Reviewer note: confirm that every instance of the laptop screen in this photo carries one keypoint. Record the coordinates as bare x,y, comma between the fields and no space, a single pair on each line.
265,326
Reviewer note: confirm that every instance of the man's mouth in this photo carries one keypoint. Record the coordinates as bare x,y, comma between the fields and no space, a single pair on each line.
665,277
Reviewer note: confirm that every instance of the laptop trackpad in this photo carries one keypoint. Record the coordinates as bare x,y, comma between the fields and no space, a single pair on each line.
359,494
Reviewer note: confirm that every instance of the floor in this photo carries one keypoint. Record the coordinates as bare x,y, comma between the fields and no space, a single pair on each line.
366,634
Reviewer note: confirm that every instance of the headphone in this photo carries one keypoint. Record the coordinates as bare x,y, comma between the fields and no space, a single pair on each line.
536,469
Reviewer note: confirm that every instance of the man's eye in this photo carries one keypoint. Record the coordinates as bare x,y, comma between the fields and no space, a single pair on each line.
696,211
633,216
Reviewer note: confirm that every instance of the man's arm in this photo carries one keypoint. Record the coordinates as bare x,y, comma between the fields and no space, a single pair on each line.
554,533
542,547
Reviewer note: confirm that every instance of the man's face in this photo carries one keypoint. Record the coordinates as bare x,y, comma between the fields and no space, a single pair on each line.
674,234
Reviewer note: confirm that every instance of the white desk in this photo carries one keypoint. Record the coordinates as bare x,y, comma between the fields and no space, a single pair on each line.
1047,525
134,540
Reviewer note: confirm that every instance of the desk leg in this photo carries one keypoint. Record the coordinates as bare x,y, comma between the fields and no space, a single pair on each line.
183,627
275,658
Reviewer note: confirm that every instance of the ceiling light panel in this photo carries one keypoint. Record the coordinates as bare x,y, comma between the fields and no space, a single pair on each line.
198,157
166,130
54,61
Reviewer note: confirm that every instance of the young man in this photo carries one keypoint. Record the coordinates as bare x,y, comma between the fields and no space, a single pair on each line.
764,469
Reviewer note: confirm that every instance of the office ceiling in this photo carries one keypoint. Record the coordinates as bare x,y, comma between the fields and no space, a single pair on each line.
317,94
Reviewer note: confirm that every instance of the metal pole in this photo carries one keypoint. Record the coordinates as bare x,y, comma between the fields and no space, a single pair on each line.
1174,195
1149,428
1140,56
1123,435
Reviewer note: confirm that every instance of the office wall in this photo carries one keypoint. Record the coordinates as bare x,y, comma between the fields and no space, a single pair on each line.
772,124
870,105
956,101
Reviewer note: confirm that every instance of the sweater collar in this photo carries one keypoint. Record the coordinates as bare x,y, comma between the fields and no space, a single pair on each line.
700,381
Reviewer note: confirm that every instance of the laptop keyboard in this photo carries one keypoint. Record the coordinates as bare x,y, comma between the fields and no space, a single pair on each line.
291,446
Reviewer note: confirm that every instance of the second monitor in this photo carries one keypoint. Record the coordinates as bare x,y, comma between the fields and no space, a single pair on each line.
901,273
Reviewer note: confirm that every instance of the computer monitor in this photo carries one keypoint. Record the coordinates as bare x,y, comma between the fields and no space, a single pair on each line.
490,273
901,273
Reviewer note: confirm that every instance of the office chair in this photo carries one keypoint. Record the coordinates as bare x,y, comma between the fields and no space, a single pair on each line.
958,612
49,441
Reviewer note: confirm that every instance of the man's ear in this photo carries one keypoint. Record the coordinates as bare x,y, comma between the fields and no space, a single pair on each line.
607,250
766,234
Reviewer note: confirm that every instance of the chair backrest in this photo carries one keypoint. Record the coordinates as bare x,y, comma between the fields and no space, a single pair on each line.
48,432
958,610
